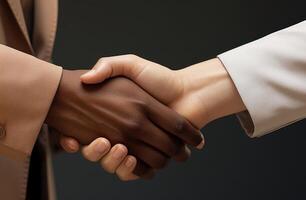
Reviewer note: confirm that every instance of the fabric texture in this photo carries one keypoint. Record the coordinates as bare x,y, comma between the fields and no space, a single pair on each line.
28,83
270,75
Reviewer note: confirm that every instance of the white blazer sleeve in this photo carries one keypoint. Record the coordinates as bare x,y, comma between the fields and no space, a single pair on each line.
270,75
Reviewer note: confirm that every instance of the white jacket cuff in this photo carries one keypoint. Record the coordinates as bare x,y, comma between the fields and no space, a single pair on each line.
270,75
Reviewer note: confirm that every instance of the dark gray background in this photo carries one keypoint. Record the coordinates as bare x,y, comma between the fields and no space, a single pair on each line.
177,34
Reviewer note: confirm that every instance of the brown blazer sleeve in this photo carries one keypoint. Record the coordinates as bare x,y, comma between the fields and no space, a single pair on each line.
27,88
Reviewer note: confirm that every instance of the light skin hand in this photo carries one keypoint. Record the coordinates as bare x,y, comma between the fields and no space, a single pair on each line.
111,159
201,93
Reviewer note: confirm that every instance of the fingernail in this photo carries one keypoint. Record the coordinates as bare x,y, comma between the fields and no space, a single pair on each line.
129,162
89,73
72,146
201,145
101,146
118,153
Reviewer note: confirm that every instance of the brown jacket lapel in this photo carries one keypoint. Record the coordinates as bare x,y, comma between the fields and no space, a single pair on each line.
19,16
45,24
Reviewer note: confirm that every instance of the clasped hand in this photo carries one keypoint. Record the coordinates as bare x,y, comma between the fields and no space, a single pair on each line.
124,113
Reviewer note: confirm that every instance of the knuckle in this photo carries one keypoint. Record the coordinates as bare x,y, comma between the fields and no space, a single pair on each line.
143,109
99,63
143,106
102,59
140,104
132,57
180,125
135,125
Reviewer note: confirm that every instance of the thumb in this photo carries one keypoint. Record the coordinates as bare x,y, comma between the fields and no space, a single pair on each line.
125,65
97,74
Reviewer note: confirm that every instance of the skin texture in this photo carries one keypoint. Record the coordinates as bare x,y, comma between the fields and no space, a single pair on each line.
201,93
100,150
123,113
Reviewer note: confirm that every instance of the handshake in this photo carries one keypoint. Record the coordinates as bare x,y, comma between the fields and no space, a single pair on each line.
133,115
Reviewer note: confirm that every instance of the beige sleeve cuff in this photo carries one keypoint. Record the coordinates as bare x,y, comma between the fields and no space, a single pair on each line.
27,88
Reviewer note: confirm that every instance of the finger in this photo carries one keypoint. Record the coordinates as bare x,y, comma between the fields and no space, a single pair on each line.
143,170
163,141
69,144
125,170
149,155
183,154
172,122
96,150
124,65
112,160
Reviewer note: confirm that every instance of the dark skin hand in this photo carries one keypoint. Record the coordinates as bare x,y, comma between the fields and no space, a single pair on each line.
122,112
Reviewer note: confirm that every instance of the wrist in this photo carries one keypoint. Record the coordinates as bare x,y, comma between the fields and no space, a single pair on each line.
58,100
212,91
226,96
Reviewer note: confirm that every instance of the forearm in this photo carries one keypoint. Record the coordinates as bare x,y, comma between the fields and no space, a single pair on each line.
211,90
